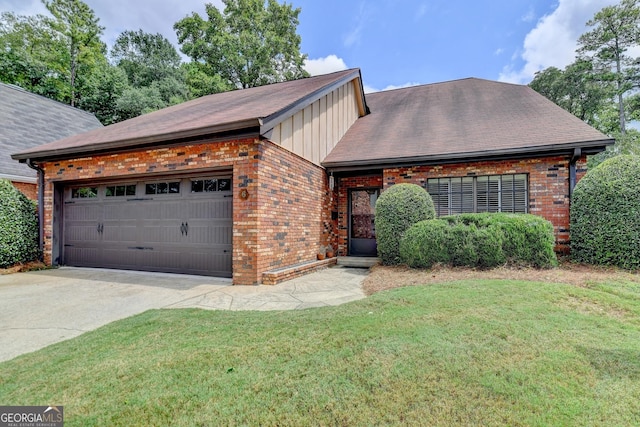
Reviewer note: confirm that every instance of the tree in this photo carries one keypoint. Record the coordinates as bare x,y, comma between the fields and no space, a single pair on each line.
145,57
575,90
78,25
616,29
29,55
248,45
103,89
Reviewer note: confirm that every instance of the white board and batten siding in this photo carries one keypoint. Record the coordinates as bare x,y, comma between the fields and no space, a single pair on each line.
313,132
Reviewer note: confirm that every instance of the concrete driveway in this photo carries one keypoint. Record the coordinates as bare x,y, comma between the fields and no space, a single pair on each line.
44,307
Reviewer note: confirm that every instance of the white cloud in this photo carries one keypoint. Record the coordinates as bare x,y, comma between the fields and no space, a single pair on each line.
422,10
554,39
370,89
328,64
498,51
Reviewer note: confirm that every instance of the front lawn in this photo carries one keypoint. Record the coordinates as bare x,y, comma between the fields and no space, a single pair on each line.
472,352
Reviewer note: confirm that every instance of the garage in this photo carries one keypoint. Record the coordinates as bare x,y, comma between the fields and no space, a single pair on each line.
172,224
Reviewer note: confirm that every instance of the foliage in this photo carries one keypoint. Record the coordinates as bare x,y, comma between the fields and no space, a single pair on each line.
629,144
76,23
105,86
574,90
397,209
483,240
18,226
247,45
145,57
615,30
30,52
473,352
605,214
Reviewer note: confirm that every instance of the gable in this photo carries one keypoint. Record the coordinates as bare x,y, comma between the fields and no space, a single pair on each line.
314,131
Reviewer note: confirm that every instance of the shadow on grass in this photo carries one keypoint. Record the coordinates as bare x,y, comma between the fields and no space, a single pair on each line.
615,363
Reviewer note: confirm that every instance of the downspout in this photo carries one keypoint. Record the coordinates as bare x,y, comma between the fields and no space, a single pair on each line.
577,153
37,168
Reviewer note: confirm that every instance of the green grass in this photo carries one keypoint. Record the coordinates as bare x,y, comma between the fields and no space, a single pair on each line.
472,353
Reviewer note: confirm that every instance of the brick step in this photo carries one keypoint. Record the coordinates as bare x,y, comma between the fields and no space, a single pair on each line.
358,261
275,276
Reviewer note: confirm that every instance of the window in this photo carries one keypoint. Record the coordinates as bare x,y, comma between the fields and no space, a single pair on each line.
84,192
209,185
163,188
495,193
121,190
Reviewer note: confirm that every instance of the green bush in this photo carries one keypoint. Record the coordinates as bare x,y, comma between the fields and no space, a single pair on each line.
18,226
397,209
426,243
480,240
526,239
605,214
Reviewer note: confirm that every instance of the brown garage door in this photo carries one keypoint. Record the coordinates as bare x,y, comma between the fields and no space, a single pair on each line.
177,225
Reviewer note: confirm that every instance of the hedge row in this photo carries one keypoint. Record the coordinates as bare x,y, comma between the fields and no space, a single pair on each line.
484,240
18,226
605,214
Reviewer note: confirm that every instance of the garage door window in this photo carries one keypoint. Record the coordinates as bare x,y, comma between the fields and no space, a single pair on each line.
121,190
210,185
84,192
163,188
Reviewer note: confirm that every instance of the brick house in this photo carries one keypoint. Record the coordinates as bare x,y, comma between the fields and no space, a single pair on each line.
28,120
250,184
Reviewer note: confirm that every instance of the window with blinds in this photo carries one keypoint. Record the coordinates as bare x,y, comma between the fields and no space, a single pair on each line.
493,193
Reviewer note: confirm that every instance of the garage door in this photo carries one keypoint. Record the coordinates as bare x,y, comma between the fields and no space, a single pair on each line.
177,225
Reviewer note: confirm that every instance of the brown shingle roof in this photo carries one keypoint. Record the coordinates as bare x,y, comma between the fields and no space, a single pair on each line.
462,119
254,108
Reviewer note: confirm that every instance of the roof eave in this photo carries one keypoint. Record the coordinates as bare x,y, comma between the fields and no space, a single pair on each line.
588,147
240,127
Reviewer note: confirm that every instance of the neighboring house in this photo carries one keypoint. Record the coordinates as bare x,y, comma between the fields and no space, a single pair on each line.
251,183
28,120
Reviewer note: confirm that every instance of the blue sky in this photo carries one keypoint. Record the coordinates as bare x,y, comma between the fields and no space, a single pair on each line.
395,43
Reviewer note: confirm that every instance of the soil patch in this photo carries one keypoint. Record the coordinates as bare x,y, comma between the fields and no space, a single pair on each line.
382,277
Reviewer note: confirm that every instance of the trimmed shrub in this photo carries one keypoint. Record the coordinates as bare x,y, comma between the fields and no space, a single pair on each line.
426,243
397,209
526,239
481,241
18,226
605,214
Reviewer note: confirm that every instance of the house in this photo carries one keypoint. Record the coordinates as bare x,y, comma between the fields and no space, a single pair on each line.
249,184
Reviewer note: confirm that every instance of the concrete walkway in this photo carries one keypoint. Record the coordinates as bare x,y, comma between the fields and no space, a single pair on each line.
40,308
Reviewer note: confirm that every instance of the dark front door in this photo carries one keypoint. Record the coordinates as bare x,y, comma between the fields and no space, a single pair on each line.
362,230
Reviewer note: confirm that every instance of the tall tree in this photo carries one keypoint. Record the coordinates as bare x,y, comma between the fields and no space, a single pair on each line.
77,24
29,55
615,29
575,90
145,57
248,44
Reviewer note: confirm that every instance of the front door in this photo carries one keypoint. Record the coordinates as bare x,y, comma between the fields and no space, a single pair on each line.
362,229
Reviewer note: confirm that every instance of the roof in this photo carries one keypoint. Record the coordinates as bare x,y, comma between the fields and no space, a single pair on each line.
28,120
461,119
255,110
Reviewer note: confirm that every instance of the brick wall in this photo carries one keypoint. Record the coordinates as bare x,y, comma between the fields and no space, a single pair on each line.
29,190
548,184
284,219
548,187
294,206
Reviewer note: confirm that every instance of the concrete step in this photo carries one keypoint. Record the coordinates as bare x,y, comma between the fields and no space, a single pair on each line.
358,261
